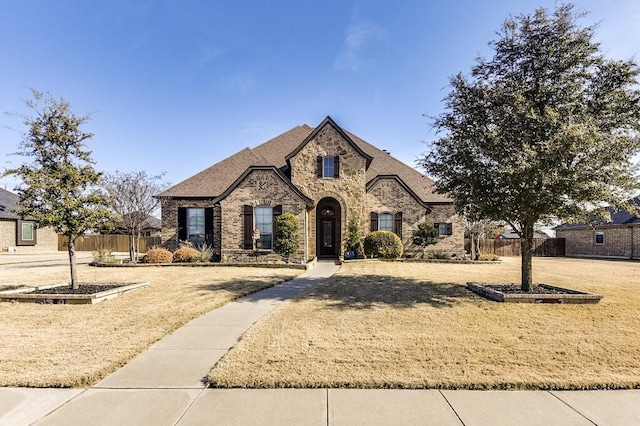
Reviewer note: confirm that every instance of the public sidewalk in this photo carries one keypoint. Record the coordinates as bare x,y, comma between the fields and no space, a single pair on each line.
164,386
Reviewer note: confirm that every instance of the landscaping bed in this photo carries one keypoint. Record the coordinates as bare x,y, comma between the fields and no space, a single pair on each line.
541,293
65,294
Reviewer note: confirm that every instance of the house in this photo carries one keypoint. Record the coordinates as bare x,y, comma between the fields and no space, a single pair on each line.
325,176
21,235
618,239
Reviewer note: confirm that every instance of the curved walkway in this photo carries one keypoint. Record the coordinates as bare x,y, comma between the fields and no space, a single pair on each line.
164,386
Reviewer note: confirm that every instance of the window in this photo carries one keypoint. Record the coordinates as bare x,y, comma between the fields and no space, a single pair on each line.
264,223
444,228
195,226
599,240
385,222
328,167
26,233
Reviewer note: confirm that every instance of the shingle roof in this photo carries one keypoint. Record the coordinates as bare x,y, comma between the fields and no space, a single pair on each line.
618,217
214,180
8,204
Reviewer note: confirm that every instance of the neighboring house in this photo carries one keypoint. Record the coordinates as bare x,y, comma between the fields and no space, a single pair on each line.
21,235
152,227
619,238
325,176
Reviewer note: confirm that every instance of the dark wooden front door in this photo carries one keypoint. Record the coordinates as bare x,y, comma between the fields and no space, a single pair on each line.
327,237
328,228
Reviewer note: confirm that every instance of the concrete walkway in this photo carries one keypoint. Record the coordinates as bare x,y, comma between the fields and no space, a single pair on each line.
164,386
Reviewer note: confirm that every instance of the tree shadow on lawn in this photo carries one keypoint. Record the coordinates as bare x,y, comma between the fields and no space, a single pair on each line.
251,286
369,291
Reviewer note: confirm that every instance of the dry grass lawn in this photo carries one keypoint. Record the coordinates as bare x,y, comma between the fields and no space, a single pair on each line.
379,325
76,345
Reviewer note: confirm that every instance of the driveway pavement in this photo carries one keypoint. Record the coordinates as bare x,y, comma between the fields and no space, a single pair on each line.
165,386
25,260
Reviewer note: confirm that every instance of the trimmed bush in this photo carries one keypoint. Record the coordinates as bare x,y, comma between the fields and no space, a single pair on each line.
185,254
158,255
489,257
383,244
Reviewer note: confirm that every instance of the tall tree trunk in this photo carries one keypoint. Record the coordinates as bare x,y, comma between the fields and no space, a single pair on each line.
473,246
527,253
137,248
71,248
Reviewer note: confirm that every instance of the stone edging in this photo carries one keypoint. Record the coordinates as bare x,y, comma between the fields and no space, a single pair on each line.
570,296
459,262
24,295
306,266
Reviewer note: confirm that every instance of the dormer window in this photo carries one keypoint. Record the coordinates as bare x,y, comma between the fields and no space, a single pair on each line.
328,167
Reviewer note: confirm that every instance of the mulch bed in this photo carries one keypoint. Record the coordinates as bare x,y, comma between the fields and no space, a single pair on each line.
82,289
517,289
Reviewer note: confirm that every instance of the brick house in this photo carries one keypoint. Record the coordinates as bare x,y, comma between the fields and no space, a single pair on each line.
21,235
618,239
325,176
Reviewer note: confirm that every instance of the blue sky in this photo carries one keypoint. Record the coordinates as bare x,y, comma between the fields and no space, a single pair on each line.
176,86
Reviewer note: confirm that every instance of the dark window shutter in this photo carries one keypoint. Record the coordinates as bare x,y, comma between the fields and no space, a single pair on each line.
182,223
319,166
449,228
336,166
208,226
374,221
277,212
247,213
397,224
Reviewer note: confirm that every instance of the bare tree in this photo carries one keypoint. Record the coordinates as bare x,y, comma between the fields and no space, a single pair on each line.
133,201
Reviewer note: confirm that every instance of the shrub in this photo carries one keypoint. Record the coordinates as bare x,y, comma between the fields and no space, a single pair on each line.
185,254
205,253
103,255
425,235
287,238
439,254
383,244
158,255
489,257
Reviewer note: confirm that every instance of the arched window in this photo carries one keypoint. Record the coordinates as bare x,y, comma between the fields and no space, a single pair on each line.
264,223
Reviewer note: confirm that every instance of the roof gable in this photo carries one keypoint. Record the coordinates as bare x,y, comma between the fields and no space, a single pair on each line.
215,180
372,182
328,121
8,204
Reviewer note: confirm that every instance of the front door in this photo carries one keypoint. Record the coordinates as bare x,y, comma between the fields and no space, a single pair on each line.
327,240
328,228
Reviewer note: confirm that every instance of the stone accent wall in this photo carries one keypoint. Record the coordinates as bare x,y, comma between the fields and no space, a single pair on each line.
620,241
348,189
169,208
46,238
260,188
388,196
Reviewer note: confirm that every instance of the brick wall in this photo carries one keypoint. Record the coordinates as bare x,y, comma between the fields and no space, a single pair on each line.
259,188
46,238
620,241
169,208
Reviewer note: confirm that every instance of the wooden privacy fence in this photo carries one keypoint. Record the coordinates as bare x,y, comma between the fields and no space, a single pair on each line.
542,247
112,242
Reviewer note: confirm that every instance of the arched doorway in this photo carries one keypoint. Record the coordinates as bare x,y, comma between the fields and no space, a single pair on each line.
328,227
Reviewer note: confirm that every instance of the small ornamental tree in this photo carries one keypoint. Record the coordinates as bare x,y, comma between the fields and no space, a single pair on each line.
354,238
60,189
547,128
287,238
132,200
425,235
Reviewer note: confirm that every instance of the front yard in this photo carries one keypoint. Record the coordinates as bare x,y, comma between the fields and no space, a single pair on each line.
76,345
396,325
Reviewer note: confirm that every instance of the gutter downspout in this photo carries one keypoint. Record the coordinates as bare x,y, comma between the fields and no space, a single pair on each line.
306,236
